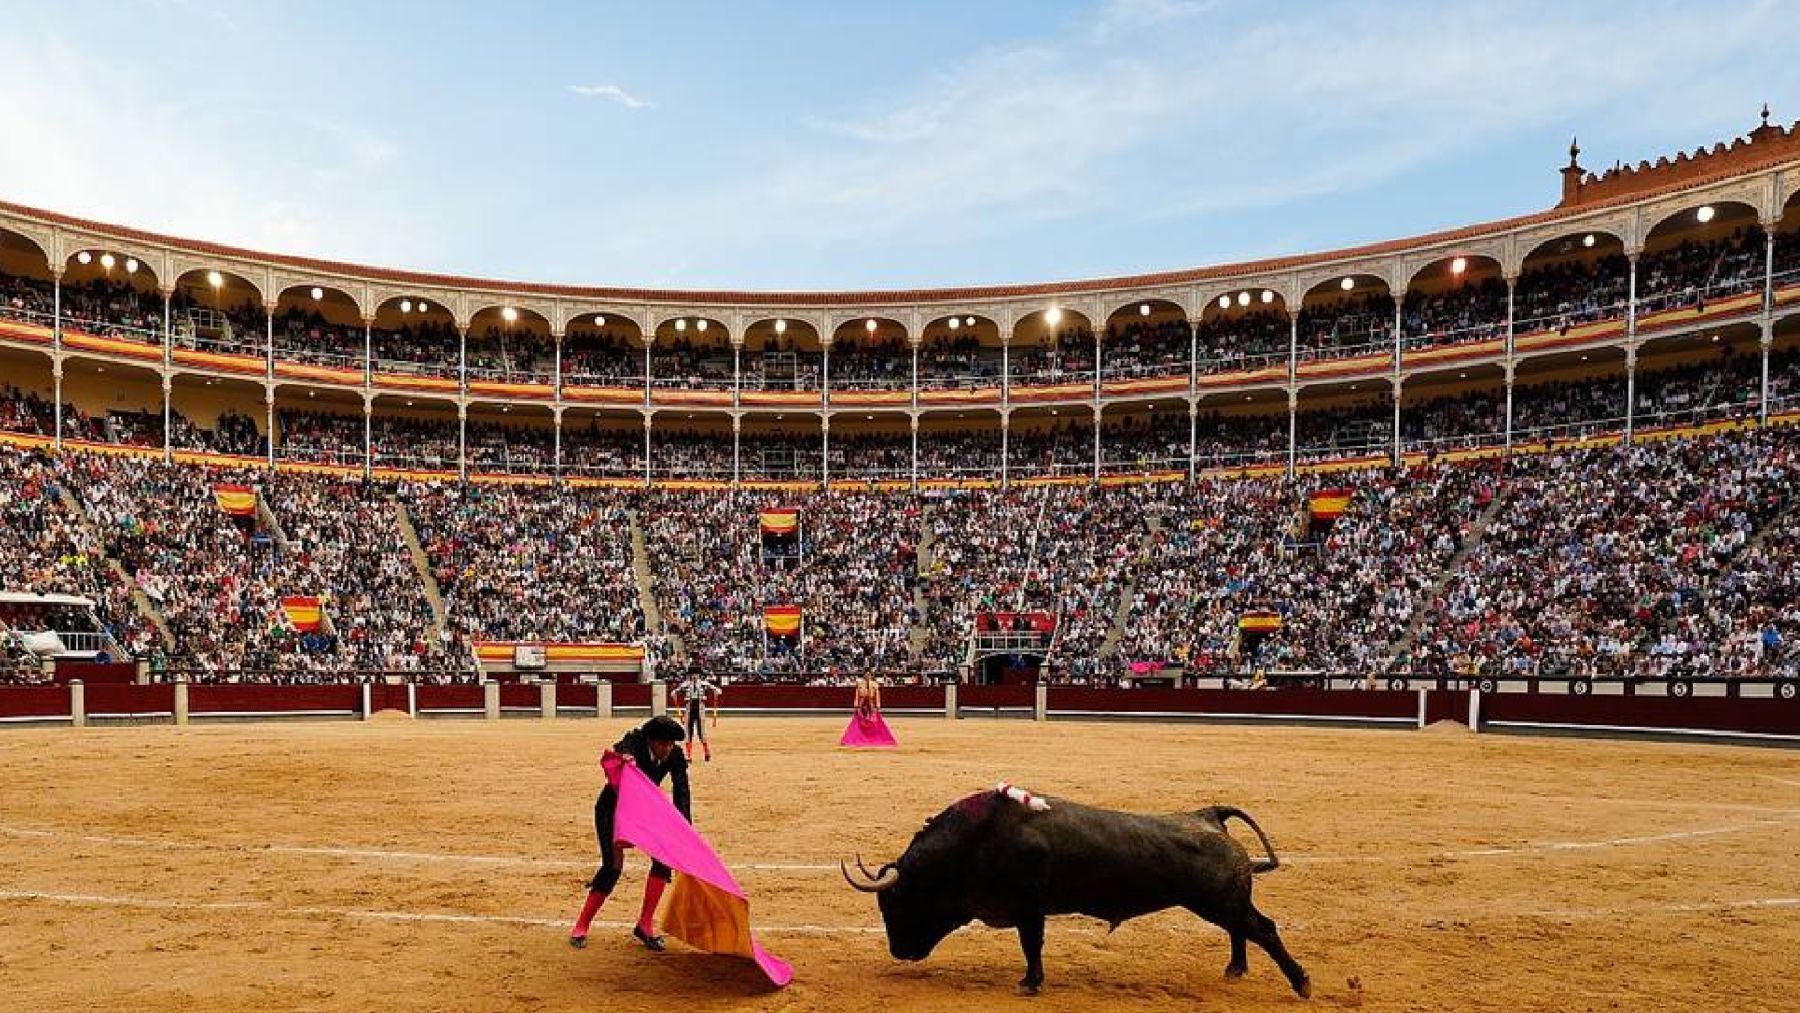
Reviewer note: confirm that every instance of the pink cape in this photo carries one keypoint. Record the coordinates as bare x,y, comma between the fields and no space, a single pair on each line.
706,909
868,732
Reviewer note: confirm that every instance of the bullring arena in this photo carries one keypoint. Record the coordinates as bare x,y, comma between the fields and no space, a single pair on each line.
1466,563
433,864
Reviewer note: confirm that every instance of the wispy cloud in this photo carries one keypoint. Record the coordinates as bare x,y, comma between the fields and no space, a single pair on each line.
613,92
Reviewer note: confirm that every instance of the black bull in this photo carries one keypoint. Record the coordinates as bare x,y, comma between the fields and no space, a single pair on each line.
993,859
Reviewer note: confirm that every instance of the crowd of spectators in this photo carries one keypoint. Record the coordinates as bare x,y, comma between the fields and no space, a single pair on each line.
1146,349
529,562
1634,559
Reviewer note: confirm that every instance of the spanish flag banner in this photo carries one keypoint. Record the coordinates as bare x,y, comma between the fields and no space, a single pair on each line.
1328,504
782,620
236,500
779,520
1259,621
304,611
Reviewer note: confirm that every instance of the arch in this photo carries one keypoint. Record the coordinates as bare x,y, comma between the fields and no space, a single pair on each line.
691,326
1473,266
21,247
1687,214
871,352
1334,288
1040,324
1182,300
514,315
334,295
796,331
405,310
1567,243
201,279
1256,298
122,256
601,321
858,329
1154,309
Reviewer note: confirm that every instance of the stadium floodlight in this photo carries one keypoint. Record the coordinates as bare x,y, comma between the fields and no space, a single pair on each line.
509,315
1705,214
1588,240
84,257
317,293
681,325
599,320
1347,284
1053,316
1243,298
107,261
1143,309
700,325
215,279
869,325
1224,302
1459,265
131,265
955,322
781,327
406,305
1268,296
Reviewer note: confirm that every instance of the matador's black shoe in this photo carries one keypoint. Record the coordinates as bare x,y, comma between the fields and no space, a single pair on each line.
652,943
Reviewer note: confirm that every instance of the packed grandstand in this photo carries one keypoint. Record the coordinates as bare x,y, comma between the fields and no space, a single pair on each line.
1559,444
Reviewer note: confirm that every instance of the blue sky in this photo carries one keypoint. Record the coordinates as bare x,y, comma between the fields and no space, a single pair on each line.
842,145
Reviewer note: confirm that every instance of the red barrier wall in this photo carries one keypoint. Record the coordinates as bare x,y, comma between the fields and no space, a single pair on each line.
996,696
34,702
790,697
514,694
131,700
115,673
913,698
1274,703
252,699
576,695
632,694
454,697
1714,714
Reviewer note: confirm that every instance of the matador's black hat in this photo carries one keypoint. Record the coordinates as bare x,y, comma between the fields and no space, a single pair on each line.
663,728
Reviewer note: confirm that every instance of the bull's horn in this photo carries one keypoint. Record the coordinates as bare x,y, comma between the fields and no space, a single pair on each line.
876,882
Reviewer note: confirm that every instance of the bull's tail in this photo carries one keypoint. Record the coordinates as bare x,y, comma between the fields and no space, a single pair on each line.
1218,814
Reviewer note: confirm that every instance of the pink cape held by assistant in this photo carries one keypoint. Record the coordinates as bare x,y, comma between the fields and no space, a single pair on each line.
707,909
867,730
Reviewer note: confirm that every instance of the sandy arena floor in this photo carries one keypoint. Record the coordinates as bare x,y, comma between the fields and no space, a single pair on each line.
433,866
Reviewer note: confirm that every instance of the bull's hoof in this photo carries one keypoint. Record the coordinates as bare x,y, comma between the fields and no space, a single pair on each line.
1236,970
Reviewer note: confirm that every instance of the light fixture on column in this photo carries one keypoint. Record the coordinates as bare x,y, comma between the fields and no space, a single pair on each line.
84,258
215,279
1053,316
131,265
1268,296
1459,265
1243,298
1224,302
1705,214
107,261
317,293
1347,284
1143,309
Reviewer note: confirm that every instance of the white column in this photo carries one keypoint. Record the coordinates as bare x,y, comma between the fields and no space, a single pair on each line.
1509,406
269,341
547,698
737,426
1631,309
168,430
462,442
914,419
825,451
181,700
56,377
77,703
647,470
1193,438
659,698
368,352
1399,326
915,372
603,700
1512,326
1005,449
556,421
490,699
1399,385
1293,428
1097,410
1768,317
368,434
1293,394
950,701
168,327
269,423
